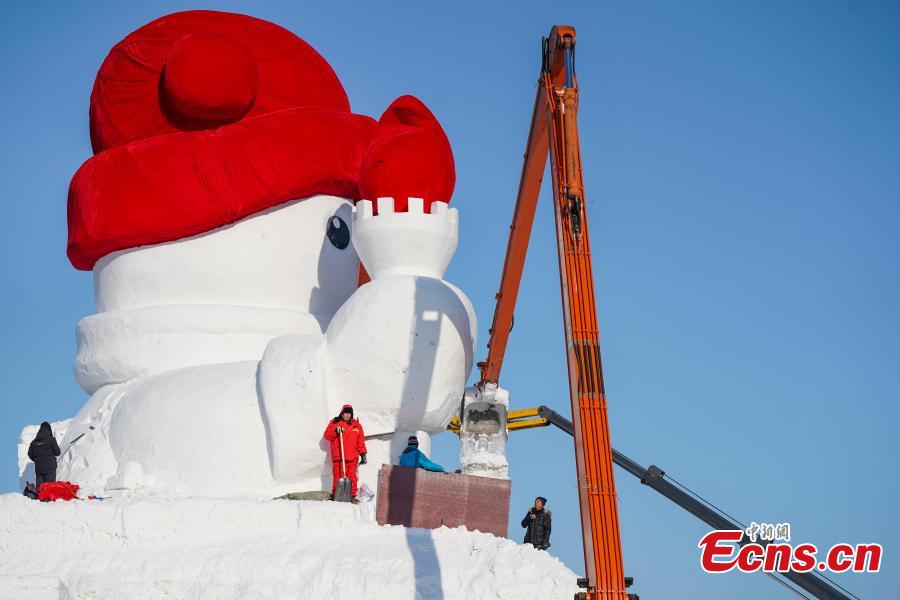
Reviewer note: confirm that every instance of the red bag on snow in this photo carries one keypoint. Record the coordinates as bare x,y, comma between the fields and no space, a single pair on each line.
57,490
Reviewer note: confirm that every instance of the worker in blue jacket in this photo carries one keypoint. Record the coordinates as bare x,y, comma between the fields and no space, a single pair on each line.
415,458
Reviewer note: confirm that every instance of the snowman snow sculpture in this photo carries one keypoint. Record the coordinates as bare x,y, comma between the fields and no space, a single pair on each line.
225,212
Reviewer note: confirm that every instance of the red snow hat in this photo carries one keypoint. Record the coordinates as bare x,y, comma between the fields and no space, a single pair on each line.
202,118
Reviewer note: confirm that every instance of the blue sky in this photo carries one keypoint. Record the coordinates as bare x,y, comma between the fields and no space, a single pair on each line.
742,171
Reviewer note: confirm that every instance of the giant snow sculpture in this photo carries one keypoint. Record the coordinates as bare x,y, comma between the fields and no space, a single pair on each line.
225,212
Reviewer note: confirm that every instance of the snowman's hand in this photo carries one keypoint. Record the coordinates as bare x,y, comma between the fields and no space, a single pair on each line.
414,242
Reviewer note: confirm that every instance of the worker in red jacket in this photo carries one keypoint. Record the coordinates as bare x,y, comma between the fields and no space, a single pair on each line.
354,447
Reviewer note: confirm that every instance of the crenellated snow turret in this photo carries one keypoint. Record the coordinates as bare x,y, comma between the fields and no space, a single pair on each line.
407,243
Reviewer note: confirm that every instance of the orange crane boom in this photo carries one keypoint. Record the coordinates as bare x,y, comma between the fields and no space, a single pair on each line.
554,132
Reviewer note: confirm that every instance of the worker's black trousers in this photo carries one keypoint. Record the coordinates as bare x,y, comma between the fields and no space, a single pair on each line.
43,477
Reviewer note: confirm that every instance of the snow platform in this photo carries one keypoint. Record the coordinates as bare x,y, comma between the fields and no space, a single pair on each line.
154,548
419,498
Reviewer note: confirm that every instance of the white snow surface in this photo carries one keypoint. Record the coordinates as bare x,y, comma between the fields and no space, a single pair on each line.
149,547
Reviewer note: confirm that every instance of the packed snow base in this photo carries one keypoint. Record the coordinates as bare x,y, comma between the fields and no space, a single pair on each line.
144,547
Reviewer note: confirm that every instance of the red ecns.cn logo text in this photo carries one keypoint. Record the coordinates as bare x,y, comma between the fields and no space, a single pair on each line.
721,553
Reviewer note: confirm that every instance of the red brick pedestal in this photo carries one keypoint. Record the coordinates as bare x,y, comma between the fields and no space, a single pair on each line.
419,498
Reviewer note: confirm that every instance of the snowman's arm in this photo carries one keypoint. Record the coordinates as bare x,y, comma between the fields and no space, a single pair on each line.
400,350
293,397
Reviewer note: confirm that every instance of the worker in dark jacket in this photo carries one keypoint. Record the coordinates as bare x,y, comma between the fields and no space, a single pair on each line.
537,525
43,451
415,458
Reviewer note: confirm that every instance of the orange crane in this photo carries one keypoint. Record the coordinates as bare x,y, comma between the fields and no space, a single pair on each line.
554,133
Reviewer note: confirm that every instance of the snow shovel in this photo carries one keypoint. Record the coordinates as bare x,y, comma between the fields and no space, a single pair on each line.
342,491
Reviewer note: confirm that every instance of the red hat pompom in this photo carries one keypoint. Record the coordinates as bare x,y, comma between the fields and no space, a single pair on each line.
208,79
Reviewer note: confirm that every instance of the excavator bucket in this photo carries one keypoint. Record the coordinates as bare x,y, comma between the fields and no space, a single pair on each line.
482,436
483,418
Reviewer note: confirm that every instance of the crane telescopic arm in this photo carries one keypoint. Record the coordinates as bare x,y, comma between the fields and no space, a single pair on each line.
554,133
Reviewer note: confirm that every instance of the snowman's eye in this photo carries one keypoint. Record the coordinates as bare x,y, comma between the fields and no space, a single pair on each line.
338,233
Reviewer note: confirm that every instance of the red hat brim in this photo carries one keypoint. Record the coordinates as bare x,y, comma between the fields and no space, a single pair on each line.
175,186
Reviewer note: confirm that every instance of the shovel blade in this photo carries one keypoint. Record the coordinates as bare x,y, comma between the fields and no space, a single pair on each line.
342,491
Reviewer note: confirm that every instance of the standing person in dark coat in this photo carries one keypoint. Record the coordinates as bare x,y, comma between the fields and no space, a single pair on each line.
43,451
537,525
